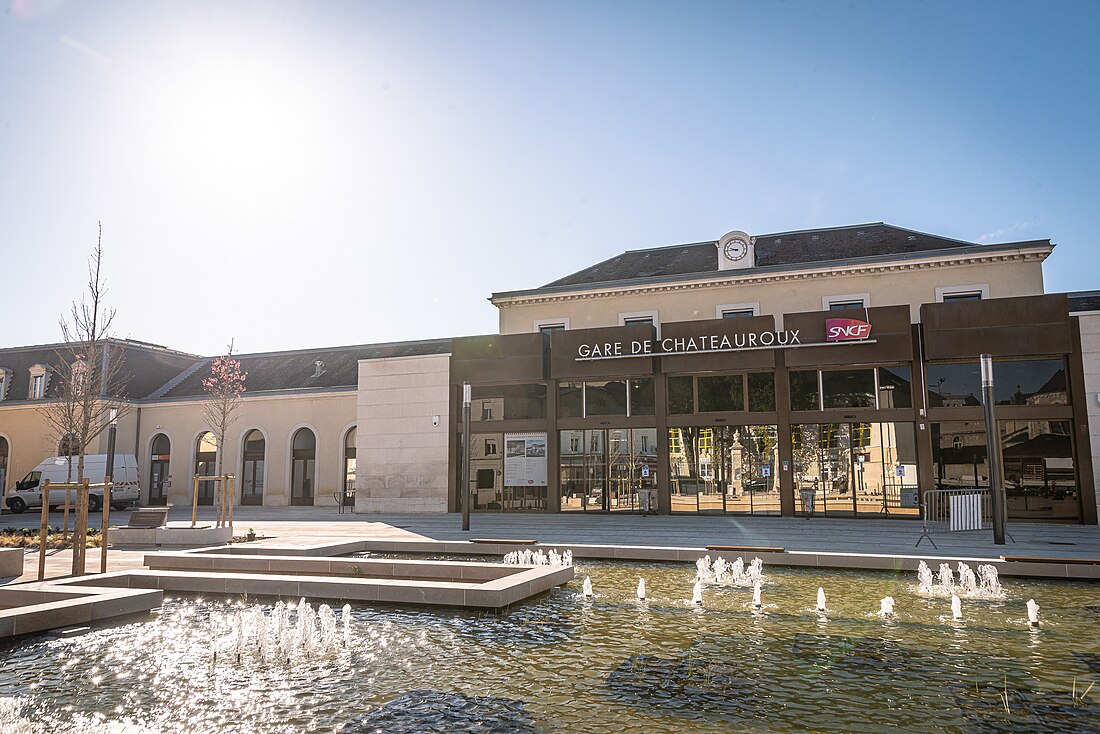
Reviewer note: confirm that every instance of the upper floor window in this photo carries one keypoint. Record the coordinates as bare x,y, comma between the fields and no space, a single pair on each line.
639,318
38,387
548,326
738,314
5,382
490,447
842,303
955,293
736,310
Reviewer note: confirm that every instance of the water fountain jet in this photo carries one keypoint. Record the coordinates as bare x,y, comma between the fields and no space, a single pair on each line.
1032,614
697,594
641,589
586,587
886,607
756,603
956,608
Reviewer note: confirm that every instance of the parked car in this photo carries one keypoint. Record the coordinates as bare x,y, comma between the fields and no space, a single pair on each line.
125,488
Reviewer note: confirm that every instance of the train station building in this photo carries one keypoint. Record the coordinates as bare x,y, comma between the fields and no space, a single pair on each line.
753,374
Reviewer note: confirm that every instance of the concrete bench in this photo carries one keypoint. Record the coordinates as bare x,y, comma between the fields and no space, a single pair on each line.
1049,559
746,548
148,518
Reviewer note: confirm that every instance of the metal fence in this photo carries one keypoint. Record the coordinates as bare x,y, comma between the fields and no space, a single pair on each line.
953,510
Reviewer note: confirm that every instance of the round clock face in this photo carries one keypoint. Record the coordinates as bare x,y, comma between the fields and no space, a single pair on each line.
735,250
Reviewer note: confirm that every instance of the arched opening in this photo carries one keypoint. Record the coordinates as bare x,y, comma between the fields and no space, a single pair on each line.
252,468
206,463
349,467
69,445
303,467
159,480
3,466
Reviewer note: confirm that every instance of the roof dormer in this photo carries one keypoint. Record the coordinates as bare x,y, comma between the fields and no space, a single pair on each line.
736,251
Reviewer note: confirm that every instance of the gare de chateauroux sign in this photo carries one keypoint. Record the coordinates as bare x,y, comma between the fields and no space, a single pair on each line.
837,331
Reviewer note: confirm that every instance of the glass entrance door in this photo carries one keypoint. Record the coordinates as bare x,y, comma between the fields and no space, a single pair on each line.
608,470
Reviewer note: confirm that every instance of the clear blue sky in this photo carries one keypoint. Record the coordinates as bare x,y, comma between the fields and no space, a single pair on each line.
294,174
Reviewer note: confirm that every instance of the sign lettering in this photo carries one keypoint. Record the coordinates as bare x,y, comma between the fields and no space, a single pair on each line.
842,330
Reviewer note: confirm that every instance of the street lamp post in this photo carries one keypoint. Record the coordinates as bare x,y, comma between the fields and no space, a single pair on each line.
466,443
108,478
993,451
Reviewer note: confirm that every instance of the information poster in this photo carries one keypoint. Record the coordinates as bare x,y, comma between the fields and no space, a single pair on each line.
525,459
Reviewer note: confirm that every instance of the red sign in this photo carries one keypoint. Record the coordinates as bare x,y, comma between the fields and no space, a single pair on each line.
843,330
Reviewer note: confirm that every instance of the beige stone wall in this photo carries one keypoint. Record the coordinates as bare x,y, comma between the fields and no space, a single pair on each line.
895,287
1090,353
402,456
30,440
329,415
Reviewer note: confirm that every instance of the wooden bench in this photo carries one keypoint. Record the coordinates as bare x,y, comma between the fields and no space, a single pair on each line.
746,548
1049,559
148,518
503,541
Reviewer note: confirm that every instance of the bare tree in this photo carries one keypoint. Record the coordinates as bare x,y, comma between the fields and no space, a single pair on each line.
90,386
224,386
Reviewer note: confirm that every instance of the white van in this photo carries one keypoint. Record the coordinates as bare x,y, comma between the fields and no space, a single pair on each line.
124,490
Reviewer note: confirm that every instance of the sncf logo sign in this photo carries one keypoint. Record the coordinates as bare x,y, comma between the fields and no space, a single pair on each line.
842,330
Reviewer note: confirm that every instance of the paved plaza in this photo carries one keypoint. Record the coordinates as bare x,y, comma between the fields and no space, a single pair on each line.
309,525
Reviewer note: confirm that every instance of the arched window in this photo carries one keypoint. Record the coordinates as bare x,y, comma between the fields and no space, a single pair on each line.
206,464
69,445
252,468
303,467
349,467
3,465
159,457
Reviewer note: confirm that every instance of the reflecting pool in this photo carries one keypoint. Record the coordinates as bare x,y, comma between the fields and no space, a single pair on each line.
560,663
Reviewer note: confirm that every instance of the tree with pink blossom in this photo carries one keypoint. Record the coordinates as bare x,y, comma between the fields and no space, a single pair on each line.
224,385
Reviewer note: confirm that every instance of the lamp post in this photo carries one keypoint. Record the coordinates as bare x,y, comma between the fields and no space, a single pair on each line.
466,443
108,478
993,452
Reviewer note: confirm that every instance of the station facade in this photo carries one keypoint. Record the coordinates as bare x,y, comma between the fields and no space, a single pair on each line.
834,370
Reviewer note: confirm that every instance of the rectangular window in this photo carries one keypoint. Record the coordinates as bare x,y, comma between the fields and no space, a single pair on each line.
761,392
861,435
721,393
640,321
642,398
967,296
551,328
490,447
570,400
848,389
37,383
510,402
1030,382
740,313
605,398
894,389
843,305
804,391
954,385
681,397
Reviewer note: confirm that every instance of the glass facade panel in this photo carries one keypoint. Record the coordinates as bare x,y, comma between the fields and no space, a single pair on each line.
959,456
642,397
681,396
252,469
508,402
1030,382
721,393
894,389
724,469
804,392
605,398
1040,476
489,488
761,392
303,467
206,459
570,400
609,470
954,385
855,469
848,388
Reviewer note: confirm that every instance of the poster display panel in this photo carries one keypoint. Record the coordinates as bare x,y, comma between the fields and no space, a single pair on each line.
525,459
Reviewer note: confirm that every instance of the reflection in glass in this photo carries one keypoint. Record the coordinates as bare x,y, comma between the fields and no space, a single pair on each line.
681,395
605,398
159,459
894,390
303,467
720,469
508,402
206,459
804,391
954,385
642,398
761,392
855,468
848,388
1030,382
721,393
349,468
488,490
570,400
609,470
1040,477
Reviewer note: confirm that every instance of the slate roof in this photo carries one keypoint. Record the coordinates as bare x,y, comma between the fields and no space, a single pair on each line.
1084,301
145,366
781,250
295,370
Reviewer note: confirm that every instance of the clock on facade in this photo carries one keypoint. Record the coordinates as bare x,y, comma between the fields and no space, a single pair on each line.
735,249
